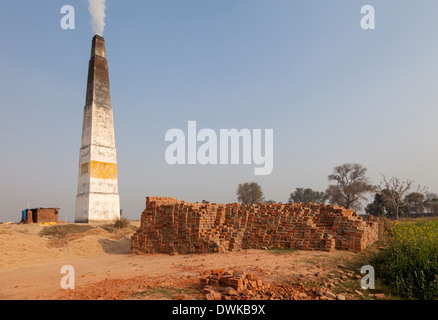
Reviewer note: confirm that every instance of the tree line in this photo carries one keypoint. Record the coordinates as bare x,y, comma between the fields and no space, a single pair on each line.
350,187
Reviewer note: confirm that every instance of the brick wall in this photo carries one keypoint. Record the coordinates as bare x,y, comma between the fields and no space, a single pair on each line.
169,225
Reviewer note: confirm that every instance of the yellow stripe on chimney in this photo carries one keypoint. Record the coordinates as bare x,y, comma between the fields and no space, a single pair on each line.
103,170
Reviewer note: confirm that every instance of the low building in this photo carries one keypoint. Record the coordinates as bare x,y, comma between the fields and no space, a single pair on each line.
40,215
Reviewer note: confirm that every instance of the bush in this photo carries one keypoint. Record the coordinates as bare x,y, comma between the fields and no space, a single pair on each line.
410,263
121,223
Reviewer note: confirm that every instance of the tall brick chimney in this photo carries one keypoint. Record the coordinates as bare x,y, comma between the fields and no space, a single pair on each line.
97,197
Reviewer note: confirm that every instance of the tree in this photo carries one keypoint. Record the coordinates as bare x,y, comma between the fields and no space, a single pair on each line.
415,202
431,203
380,207
250,193
377,207
307,195
396,192
351,186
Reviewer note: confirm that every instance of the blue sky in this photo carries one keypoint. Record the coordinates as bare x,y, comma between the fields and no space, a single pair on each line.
332,92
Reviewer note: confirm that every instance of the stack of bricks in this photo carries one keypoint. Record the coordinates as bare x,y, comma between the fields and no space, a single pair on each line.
238,285
169,225
232,283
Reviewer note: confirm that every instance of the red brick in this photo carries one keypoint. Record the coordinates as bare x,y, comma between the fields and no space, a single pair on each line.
169,225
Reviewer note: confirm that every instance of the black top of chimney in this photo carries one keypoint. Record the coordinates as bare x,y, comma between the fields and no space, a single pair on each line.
98,46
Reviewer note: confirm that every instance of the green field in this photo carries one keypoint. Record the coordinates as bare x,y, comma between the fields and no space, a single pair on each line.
410,262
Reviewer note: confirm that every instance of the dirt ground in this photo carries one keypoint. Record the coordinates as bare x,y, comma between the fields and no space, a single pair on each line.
30,266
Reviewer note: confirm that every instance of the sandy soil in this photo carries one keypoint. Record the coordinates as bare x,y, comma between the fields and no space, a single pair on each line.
30,265
21,245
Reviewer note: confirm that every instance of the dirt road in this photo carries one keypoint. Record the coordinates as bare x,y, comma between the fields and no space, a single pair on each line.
43,281
31,262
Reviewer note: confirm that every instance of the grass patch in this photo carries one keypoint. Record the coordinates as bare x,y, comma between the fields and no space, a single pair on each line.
311,262
367,257
281,250
60,231
165,292
118,224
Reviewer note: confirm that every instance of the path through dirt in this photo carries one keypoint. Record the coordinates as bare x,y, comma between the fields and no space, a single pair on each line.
44,281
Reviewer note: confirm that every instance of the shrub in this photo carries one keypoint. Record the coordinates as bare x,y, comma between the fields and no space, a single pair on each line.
121,223
410,263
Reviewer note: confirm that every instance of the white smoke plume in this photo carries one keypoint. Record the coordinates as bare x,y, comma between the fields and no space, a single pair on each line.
97,11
